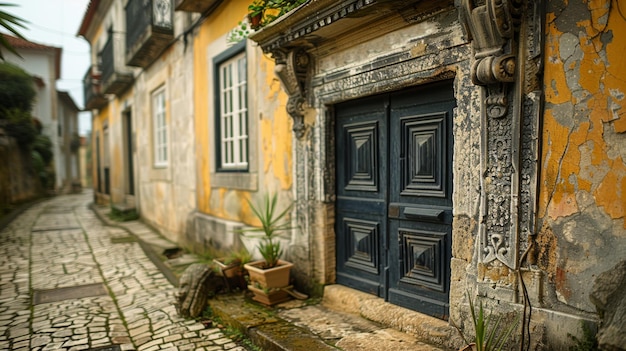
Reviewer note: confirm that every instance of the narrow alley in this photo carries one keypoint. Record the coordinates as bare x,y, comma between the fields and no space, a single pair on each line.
65,284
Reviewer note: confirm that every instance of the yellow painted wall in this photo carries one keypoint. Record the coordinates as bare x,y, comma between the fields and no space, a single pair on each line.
267,103
583,180
597,95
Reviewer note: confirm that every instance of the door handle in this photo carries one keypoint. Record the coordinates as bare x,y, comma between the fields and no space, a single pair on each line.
423,213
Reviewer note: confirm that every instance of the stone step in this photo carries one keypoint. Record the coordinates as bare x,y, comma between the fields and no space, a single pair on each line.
263,327
335,323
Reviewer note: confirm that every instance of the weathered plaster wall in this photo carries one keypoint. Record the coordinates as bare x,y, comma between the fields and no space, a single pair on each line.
583,180
221,206
98,121
166,195
117,171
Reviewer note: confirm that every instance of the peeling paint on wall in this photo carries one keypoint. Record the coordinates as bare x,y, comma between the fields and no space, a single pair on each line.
583,180
269,125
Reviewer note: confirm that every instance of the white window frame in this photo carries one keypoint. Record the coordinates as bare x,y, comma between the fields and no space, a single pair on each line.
160,132
233,114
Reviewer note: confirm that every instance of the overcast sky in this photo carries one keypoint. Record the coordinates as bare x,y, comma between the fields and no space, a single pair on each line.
55,23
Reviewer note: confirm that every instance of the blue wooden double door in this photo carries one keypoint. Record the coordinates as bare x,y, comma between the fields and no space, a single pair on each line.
394,187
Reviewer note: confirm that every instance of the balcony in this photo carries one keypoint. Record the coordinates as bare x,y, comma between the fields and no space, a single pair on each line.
196,5
92,91
149,30
115,77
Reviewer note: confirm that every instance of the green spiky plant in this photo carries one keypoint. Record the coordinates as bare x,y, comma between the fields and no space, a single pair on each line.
10,22
487,332
273,224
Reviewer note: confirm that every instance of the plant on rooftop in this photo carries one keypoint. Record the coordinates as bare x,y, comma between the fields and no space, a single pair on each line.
269,10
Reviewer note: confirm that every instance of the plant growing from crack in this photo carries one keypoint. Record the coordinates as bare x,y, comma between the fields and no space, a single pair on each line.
488,334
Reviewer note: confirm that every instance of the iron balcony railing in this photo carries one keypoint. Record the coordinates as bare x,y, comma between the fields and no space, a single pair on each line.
92,90
115,77
107,59
149,29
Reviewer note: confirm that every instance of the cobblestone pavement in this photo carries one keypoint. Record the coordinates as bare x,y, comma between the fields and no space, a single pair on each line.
66,285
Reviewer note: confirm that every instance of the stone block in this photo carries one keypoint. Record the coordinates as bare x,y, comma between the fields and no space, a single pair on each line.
196,284
610,301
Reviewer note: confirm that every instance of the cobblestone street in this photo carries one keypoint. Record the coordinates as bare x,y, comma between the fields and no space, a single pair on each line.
66,285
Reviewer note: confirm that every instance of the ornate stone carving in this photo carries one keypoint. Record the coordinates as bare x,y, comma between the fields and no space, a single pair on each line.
291,69
509,124
491,28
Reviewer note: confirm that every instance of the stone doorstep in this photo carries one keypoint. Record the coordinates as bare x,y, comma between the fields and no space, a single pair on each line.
426,329
335,324
262,327
123,208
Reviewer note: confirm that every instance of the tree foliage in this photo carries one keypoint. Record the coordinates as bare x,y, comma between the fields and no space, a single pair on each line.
17,94
43,146
16,89
19,124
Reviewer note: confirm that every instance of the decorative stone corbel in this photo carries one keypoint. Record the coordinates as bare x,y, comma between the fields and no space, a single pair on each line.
291,69
491,28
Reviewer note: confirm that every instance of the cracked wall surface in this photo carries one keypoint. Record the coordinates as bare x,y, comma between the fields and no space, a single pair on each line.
583,179
222,197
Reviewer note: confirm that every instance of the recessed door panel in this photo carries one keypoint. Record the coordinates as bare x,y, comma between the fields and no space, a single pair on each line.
361,133
394,187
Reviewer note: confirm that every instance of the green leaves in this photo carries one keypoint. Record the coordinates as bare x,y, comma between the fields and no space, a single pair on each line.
273,224
9,22
16,88
488,334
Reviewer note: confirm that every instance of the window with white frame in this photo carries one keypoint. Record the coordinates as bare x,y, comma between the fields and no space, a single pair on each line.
159,128
233,114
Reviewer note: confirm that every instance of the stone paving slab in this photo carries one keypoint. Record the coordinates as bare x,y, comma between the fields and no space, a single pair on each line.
61,243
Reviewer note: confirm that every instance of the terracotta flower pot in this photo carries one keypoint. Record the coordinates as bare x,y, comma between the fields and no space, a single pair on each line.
233,274
270,297
271,278
228,270
255,21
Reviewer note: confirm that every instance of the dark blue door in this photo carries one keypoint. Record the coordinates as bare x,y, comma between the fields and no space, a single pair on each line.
394,187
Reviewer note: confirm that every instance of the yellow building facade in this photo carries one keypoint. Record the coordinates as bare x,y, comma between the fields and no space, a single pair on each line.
142,108
430,148
259,162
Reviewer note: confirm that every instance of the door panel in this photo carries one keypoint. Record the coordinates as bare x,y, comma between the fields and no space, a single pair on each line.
361,193
420,192
396,193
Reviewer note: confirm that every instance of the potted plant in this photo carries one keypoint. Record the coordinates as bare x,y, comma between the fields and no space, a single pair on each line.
489,335
255,13
232,269
270,276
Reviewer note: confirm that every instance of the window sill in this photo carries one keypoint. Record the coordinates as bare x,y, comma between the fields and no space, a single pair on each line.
232,180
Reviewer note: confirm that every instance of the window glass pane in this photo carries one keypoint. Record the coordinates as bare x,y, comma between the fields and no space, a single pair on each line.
241,70
159,128
234,113
229,104
229,75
